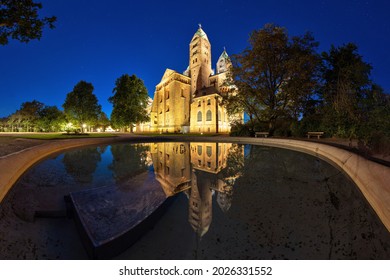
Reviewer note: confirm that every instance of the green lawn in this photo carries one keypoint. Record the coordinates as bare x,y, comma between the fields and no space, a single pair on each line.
52,136
176,134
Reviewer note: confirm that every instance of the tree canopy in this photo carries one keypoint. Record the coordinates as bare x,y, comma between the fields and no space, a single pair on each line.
347,81
35,116
81,105
129,102
20,21
275,76
103,121
27,116
51,119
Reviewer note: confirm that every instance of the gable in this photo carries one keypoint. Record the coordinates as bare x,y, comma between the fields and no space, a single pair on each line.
167,73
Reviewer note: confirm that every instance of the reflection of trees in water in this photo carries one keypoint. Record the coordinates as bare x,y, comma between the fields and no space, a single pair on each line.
278,165
234,164
82,163
224,200
229,174
128,161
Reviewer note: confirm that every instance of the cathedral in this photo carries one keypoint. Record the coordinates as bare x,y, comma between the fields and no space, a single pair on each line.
191,101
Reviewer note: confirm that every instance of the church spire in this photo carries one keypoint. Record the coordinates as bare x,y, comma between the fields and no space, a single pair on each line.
223,62
200,33
200,60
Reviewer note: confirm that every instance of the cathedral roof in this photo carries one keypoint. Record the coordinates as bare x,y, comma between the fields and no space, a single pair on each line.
205,91
223,54
200,33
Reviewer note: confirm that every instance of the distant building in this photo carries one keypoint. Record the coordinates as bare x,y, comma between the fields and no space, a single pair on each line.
191,102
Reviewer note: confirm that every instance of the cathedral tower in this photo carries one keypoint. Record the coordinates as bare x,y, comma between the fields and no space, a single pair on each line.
200,61
223,63
192,101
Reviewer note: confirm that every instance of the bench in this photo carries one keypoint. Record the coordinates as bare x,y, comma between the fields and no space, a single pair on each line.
315,133
261,134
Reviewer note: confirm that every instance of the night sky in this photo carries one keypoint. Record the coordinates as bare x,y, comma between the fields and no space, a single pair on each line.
98,41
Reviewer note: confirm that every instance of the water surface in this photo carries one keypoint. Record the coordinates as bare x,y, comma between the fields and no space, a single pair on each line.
232,202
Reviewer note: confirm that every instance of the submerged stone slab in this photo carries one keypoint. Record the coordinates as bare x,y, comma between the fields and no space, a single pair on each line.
110,219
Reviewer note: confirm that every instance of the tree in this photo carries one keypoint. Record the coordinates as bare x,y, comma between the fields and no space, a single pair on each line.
346,85
373,127
81,105
15,121
51,119
103,121
274,76
19,20
81,164
4,124
129,101
26,117
30,112
128,161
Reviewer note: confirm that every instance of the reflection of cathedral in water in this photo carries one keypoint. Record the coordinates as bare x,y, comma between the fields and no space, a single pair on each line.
171,166
199,169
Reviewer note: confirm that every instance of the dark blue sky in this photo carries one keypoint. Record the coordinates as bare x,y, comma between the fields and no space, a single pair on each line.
98,41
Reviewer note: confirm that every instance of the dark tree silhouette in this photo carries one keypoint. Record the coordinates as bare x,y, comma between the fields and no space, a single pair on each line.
20,21
81,105
274,76
129,102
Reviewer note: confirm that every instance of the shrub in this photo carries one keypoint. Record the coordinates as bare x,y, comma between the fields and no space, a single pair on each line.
239,129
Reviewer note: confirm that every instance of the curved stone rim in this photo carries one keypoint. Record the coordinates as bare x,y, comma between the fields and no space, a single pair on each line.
371,178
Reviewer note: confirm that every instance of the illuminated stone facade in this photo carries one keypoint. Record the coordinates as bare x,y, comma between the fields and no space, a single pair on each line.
191,102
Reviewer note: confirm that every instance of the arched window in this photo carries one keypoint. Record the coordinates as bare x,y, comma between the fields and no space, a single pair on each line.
199,116
208,115
209,151
219,115
199,150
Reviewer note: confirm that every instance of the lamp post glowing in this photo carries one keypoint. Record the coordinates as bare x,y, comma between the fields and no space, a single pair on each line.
84,126
68,127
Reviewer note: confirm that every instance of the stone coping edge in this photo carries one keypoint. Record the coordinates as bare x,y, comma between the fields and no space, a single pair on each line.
12,166
372,178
